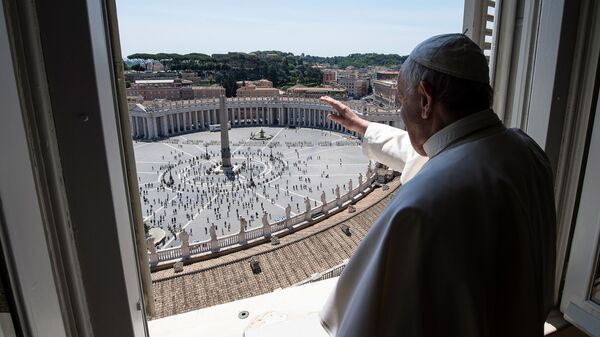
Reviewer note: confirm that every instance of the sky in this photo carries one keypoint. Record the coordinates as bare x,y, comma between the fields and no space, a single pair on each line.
312,27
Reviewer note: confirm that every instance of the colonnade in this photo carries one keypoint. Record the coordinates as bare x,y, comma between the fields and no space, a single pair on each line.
147,123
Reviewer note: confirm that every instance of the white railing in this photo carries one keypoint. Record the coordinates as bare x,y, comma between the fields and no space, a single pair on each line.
186,250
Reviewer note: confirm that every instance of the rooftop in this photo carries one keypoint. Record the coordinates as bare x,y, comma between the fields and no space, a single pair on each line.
298,256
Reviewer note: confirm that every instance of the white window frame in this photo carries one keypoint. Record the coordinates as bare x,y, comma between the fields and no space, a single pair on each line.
576,304
530,39
22,230
43,314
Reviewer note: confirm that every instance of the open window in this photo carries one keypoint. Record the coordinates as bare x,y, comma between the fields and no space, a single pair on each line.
64,109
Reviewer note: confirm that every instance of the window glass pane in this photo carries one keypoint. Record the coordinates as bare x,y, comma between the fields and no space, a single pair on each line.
6,318
596,285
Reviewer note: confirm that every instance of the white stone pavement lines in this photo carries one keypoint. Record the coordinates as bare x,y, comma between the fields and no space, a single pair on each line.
234,151
300,195
276,204
203,150
141,172
349,175
184,152
270,140
158,210
365,164
302,149
266,171
305,154
189,222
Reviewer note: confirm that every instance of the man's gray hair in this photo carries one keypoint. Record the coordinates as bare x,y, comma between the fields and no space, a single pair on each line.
455,94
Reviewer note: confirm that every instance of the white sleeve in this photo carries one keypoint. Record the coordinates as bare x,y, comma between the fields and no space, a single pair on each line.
391,146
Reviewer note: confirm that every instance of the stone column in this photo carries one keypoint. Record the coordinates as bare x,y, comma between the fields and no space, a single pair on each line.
225,150
280,112
270,115
202,119
149,135
165,126
145,121
155,127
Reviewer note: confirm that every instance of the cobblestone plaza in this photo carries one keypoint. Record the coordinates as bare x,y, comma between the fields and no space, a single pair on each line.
181,189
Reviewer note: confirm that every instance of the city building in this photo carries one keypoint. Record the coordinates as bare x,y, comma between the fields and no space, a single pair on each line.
210,91
132,75
386,75
384,92
300,90
329,76
259,88
355,81
171,89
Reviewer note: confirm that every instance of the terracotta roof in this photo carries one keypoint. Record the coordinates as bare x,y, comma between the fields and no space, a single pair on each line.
296,258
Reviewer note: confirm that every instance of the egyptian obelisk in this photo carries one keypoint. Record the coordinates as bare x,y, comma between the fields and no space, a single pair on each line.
225,151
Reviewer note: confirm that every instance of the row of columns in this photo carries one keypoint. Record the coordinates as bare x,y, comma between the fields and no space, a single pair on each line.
175,122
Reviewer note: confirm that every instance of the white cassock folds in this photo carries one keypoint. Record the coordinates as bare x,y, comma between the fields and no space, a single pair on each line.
466,247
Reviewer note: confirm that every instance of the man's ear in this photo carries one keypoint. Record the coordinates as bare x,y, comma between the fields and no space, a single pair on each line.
426,99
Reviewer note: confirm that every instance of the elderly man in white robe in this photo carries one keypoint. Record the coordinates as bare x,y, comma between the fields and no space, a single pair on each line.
467,246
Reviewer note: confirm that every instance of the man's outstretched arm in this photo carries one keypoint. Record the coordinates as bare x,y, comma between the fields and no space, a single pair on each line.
346,116
383,143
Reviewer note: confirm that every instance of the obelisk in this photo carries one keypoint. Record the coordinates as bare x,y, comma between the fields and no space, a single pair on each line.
225,151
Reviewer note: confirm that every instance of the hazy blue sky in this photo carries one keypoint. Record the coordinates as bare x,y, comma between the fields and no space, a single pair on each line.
314,27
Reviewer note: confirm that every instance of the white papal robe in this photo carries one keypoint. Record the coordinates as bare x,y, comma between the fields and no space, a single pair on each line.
466,247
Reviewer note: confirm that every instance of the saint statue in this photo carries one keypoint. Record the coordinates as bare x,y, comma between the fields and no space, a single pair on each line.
213,232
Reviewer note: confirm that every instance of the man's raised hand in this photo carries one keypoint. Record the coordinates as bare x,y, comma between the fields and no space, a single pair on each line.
346,118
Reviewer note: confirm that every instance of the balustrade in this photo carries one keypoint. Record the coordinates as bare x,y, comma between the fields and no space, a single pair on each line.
176,253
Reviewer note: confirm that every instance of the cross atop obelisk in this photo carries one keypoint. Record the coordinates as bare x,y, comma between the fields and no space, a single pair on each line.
225,151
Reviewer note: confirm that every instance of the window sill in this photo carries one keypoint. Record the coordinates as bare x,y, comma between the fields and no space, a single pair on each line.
291,310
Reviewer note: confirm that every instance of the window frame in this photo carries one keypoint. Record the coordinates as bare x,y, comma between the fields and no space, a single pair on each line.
100,18
51,120
576,303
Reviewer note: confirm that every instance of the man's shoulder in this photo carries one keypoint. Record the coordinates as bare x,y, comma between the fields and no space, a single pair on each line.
502,159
